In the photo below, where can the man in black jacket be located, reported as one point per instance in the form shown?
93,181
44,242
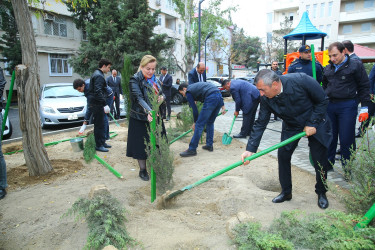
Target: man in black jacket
345,82
114,82
166,80
98,104
3,167
302,104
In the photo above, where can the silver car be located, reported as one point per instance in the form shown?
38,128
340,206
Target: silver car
60,103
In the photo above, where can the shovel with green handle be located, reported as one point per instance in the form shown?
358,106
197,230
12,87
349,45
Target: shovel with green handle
227,139
168,196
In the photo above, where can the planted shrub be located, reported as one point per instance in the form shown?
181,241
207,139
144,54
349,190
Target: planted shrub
160,157
106,221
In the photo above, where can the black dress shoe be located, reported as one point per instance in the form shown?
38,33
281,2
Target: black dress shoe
208,148
107,145
101,149
188,153
144,175
2,193
239,136
322,201
282,197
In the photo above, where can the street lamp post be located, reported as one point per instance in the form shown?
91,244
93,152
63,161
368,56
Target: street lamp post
199,30
205,46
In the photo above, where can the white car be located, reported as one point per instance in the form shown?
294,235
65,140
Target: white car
60,103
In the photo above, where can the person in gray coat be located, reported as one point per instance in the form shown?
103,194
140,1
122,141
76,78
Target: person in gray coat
302,105
246,96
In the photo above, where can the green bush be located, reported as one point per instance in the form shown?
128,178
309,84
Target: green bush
249,236
329,230
360,173
296,230
106,221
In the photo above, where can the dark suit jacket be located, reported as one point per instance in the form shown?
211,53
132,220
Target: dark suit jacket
302,103
193,76
244,95
115,85
167,81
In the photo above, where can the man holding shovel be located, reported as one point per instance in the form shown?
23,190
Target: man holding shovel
246,96
210,96
302,105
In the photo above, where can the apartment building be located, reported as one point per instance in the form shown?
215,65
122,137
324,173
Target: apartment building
57,38
169,22
340,19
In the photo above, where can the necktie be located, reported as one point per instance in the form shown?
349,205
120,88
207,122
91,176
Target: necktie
201,78
114,79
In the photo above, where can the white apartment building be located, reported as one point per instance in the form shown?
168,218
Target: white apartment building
169,22
340,19
57,39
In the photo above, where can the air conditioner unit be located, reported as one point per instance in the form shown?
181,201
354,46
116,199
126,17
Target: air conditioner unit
48,17
158,2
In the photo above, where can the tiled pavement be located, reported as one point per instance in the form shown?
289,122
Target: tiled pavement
271,137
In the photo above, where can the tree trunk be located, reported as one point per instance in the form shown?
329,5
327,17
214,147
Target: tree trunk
28,86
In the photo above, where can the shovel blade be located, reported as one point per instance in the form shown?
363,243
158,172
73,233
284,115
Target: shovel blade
226,139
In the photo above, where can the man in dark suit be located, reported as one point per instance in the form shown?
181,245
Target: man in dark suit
166,84
246,96
302,105
349,50
197,74
114,82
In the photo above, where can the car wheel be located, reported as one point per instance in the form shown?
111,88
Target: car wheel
42,125
177,99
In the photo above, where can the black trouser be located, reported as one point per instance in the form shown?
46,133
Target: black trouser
99,125
248,119
167,106
319,157
117,103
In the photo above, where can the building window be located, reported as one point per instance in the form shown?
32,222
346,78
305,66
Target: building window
330,9
308,8
328,30
84,35
347,29
269,37
170,4
269,18
55,26
58,65
159,20
291,16
315,9
368,4
179,28
322,6
366,27
349,6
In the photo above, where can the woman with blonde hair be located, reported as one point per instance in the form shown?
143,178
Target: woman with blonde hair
142,85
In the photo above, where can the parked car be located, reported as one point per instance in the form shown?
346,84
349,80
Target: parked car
217,78
61,104
249,79
176,97
223,91
8,130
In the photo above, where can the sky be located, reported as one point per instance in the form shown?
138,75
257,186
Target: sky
250,15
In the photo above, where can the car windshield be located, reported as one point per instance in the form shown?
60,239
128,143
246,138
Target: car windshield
60,91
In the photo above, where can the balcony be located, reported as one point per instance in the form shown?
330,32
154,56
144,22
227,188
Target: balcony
359,38
351,17
284,5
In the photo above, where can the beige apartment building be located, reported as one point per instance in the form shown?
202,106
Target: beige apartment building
57,39
340,19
